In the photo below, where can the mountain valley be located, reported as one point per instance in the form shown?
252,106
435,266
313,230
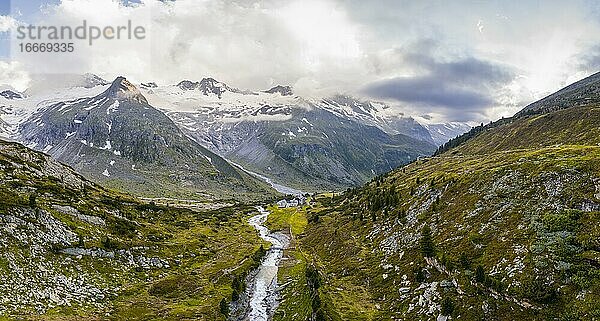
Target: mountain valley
501,223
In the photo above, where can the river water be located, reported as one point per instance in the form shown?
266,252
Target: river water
278,187
263,295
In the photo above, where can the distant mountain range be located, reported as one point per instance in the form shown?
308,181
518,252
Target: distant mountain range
136,137
309,144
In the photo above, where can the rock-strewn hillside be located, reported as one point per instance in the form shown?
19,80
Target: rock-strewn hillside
527,220
503,227
70,249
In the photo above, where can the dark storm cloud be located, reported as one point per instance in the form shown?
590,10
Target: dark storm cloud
428,90
471,71
461,87
466,70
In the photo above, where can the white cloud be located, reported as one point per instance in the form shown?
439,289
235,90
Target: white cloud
312,45
322,47
13,75
257,46
7,23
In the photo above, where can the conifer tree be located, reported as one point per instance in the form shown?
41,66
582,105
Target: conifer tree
426,242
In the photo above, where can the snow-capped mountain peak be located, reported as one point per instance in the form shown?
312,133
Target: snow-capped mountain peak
123,89
188,85
16,112
443,132
9,94
209,86
282,90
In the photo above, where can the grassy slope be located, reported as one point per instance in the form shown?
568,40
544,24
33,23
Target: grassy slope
514,216
204,250
572,126
296,301
287,219
518,214
211,253
300,300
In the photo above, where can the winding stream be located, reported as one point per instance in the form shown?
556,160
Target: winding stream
263,295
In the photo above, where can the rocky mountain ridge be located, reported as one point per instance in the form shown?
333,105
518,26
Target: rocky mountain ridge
118,139
302,143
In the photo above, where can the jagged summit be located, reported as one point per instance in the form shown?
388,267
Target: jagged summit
283,90
188,85
149,85
209,86
206,86
121,88
212,86
9,94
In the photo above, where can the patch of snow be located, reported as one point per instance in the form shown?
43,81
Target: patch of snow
19,111
63,107
113,107
106,173
107,145
306,121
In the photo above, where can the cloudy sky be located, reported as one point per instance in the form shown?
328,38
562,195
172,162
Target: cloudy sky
459,61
